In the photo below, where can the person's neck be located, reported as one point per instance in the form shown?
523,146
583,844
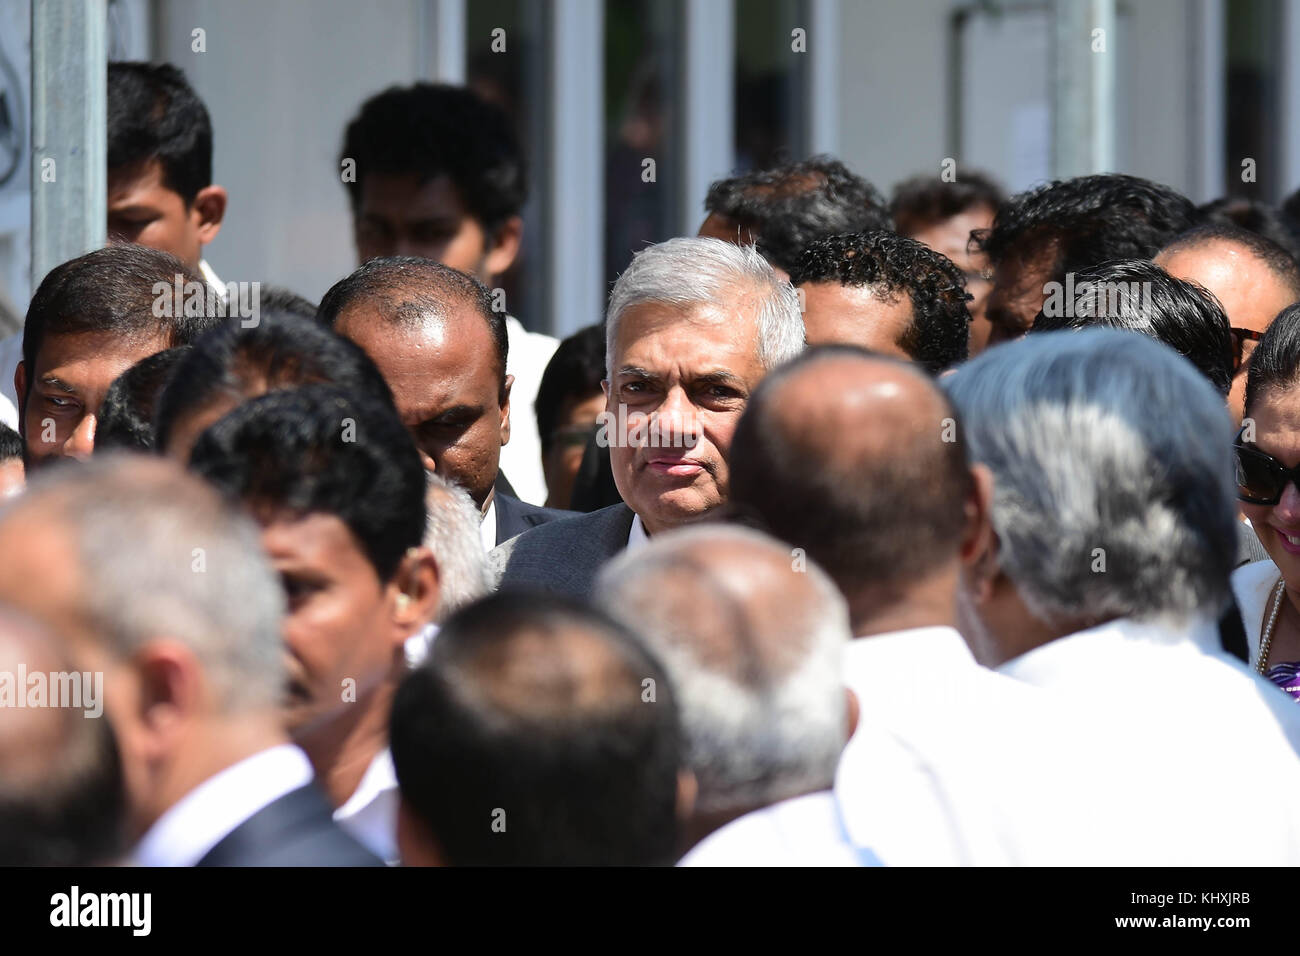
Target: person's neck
1012,630
341,751
928,602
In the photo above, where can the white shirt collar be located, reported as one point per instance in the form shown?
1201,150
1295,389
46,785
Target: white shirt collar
931,645
212,279
370,814
202,818
636,537
487,527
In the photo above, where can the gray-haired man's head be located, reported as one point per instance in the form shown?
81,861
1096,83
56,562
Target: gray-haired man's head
1113,492
752,637
692,327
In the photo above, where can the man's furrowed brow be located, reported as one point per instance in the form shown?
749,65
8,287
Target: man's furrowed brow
638,373
720,376
54,382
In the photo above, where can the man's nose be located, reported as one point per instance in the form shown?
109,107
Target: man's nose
81,443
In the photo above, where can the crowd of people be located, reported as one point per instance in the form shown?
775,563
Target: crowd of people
954,528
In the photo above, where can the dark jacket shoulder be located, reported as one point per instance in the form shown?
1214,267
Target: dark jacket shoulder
563,555
514,517
298,829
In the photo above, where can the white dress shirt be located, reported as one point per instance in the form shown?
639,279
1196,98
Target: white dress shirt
521,457
206,815
802,831
636,536
370,814
1209,748
487,526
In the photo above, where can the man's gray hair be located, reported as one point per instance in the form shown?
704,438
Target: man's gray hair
754,649
685,272
1113,482
161,555
451,532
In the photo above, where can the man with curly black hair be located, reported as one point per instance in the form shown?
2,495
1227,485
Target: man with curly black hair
782,210
892,295
1063,227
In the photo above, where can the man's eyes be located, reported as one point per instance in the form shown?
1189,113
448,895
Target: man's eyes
60,403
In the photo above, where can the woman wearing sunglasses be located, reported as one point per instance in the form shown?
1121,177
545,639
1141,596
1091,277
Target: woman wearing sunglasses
1267,454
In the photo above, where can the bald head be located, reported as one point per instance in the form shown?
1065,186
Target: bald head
858,459
751,635
61,794
562,732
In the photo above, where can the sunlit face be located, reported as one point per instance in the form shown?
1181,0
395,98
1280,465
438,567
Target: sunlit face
1250,293
951,237
446,380
142,210
13,478
340,624
689,372
402,216
69,380
1276,414
855,315
1017,296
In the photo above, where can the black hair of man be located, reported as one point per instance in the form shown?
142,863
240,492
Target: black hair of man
574,373
11,444
1136,295
534,706
1087,220
1253,216
118,289
276,302
891,266
1279,262
409,291
924,201
320,448
234,362
127,413
154,114
429,130
1275,363
875,518
788,207
62,801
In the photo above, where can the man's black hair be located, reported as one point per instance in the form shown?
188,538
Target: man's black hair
938,336
1278,260
154,114
1136,295
126,415
528,738
788,207
431,129
875,520
234,362
116,289
1275,363
1080,222
11,443
320,448
408,291
924,201
574,373
1253,216
275,302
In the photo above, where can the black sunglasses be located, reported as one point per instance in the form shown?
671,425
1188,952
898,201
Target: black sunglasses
1261,478
1239,338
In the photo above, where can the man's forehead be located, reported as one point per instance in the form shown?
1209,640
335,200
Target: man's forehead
134,183
75,358
411,196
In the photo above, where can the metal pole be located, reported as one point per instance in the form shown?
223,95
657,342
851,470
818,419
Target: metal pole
706,132
1083,87
69,164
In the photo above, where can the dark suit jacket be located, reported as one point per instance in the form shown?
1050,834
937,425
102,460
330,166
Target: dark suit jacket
562,556
296,830
515,516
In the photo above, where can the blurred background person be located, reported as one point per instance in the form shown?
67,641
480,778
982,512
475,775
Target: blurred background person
569,401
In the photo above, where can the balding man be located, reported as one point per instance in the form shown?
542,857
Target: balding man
442,348
62,801
1113,510
693,326
538,733
162,588
752,638
1252,277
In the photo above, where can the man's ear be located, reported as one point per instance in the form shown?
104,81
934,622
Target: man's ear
20,389
504,247
979,546
418,591
210,209
505,409
853,711
171,694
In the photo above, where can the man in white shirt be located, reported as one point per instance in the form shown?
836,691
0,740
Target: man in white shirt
752,641
1114,515
342,523
107,554
693,326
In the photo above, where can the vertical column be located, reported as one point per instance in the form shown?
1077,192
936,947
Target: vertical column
1083,87
705,139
